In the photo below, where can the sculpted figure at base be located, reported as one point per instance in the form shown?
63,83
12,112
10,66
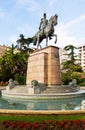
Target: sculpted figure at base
73,83
46,30
13,83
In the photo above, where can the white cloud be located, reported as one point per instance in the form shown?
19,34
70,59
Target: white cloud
29,5
32,5
26,29
75,21
63,37
13,39
51,2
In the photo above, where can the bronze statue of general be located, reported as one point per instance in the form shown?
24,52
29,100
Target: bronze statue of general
46,30
43,23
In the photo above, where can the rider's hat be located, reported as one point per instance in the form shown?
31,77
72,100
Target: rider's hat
44,14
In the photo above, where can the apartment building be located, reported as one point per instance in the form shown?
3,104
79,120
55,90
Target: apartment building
80,59
82,56
3,48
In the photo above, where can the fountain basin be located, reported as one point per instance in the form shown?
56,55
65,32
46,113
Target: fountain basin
18,97
22,100
24,95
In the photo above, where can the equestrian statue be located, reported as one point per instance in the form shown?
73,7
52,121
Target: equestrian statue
46,30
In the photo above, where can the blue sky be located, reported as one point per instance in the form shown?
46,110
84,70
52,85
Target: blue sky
23,17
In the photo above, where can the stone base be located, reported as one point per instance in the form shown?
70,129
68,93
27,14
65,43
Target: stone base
44,66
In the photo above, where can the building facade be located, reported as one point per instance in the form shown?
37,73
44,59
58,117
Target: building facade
82,56
3,48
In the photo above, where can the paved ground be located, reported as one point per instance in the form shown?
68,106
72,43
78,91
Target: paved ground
83,88
2,87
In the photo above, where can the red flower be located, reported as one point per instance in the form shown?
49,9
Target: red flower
12,125
62,123
67,126
83,126
27,126
4,122
35,126
20,125
50,121
43,126
43,122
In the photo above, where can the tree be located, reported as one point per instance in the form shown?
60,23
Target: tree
71,53
70,66
13,66
6,64
23,43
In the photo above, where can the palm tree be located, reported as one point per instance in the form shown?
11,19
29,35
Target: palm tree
23,43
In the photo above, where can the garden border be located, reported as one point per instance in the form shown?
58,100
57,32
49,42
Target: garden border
41,112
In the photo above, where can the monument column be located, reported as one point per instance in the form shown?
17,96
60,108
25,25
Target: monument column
44,66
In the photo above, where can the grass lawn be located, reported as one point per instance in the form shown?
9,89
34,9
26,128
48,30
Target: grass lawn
40,118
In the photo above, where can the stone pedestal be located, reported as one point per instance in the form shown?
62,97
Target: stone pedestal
44,66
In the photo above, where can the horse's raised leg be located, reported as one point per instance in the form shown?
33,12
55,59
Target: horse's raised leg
55,37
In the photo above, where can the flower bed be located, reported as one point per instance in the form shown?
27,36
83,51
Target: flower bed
3,83
43,125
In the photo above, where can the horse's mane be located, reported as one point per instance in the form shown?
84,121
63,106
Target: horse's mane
51,18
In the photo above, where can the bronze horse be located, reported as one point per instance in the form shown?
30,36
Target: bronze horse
48,32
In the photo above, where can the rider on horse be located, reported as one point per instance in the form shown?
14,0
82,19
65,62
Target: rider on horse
43,23
46,30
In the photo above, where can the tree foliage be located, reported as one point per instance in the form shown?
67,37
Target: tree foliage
14,65
71,53
70,68
23,43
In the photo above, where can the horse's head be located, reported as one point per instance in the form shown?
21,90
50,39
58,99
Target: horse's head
53,19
